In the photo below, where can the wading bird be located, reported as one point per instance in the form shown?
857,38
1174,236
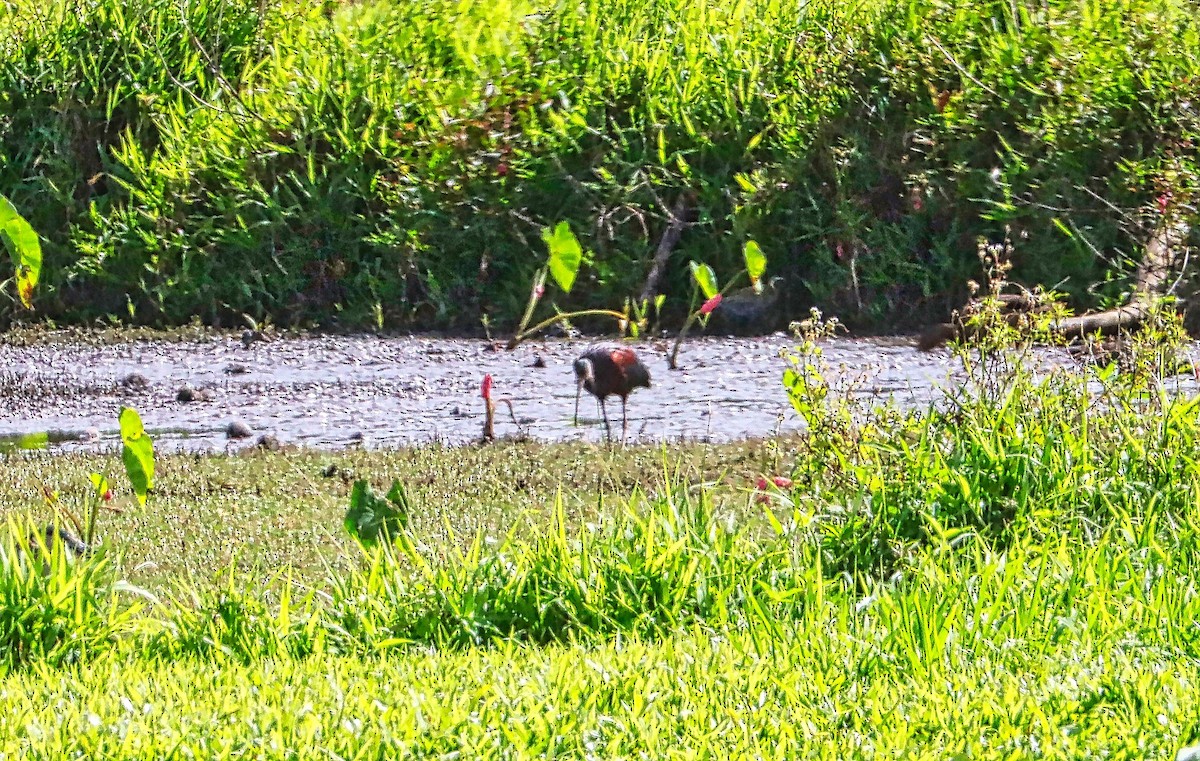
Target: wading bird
605,371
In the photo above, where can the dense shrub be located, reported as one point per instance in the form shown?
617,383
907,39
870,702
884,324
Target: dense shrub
392,163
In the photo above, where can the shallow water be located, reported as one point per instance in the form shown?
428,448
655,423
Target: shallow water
335,391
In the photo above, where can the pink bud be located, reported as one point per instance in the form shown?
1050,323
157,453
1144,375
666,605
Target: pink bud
711,304
1164,201
107,495
782,482
761,485
485,390
839,252
539,291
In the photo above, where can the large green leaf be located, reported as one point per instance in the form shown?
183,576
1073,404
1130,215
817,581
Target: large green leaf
137,453
565,255
705,278
756,263
24,247
372,518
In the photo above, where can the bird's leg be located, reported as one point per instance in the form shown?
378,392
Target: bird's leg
624,419
607,429
578,391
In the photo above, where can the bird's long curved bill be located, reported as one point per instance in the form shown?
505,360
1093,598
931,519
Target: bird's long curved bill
578,391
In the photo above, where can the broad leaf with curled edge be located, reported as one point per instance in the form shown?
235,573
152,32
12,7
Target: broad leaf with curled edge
24,247
705,278
372,518
756,264
565,255
137,453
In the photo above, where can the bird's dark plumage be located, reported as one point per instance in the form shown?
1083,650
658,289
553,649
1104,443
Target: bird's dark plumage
606,371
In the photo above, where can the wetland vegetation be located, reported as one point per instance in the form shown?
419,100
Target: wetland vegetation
1009,573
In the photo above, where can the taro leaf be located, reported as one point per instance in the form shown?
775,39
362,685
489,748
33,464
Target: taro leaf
756,264
137,453
705,278
100,484
25,249
565,255
372,518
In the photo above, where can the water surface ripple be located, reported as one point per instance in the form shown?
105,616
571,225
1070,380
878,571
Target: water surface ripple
335,391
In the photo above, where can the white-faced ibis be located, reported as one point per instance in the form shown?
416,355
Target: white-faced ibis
604,371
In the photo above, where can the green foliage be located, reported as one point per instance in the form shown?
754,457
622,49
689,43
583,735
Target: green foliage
655,566
756,264
371,519
24,248
565,255
392,161
54,609
705,279
137,452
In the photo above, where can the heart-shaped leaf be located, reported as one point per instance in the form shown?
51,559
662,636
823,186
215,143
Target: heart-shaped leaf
372,518
25,249
756,263
137,453
565,255
705,278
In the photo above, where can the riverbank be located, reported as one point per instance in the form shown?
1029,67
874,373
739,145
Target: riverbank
1014,575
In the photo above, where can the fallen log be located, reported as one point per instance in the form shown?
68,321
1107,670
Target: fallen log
1158,265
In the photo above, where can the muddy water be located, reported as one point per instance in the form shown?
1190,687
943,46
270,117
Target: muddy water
332,392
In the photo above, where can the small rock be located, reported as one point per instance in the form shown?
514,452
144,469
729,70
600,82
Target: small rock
268,443
90,435
456,412
238,430
188,394
135,382
329,471
358,437
236,369
538,362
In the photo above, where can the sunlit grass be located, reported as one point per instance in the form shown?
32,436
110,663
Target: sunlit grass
1009,574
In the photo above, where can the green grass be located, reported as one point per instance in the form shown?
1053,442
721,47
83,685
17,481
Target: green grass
394,162
280,509
1008,575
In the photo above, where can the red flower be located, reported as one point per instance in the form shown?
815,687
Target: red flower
763,485
107,495
485,390
711,304
1164,201
502,169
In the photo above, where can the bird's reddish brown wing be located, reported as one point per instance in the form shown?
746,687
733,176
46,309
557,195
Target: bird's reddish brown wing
623,358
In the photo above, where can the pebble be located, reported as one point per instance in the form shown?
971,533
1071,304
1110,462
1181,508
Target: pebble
188,394
135,382
268,443
238,430
90,435
236,369
538,362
